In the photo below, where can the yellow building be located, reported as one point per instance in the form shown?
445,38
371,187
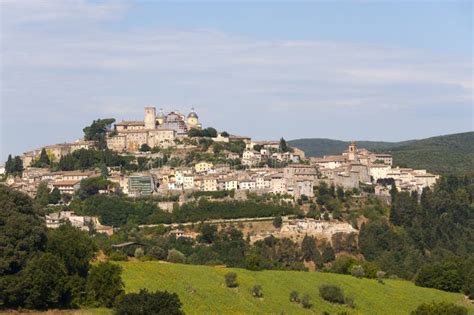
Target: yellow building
202,167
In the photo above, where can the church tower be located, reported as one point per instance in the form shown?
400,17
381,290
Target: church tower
150,117
193,120
352,151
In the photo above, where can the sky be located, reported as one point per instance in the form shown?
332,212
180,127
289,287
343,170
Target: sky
348,70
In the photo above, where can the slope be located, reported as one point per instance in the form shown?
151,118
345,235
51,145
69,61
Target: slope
202,290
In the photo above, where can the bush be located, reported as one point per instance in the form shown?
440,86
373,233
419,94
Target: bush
294,297
144,303
157,252
442,308
343,264
118,256
231,280
277,222
139,253
380,276
332,293
175,256
357,271
104,284
257,291
306,302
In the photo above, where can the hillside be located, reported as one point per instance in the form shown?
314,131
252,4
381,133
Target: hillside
202,290
450,154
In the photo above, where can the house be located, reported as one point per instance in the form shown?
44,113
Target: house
66,186
203,167
210,184
247,184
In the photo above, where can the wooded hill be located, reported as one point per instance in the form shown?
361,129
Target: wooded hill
449,154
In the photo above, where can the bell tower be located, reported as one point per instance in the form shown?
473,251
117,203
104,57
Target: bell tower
352,151
150,117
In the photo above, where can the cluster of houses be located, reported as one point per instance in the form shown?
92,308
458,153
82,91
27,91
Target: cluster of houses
355,166
67,182
297,178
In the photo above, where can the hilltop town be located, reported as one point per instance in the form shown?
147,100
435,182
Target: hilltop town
181,156
170,156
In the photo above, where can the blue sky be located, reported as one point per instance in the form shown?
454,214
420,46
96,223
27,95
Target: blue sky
344,70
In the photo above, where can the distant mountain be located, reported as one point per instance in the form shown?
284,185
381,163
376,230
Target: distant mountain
450,154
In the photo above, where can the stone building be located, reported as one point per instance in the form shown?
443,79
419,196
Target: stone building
154,130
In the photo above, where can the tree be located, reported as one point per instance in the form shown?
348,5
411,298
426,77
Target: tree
97,131
175,256
310,251
208,233
306,302
211,132
277,221
22,232
443,276
104,284
257,291
42,194
332,293
283,146
54,196
224,134
43,283
145,148
147,303
231,280
139,253
294,296
73,247
357,271
441,308
43,160
91,186
328,253
14,166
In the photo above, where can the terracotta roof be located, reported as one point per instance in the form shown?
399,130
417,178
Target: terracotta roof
66,183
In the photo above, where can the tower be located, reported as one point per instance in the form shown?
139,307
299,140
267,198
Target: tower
150,117
160,119
352,156
193,120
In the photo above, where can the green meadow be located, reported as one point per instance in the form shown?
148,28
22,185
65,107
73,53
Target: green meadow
202,290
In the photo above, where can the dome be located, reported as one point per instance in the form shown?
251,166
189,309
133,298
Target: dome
193,114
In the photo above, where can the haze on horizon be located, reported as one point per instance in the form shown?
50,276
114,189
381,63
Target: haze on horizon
347,70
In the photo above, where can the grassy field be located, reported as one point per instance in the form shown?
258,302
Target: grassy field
202,290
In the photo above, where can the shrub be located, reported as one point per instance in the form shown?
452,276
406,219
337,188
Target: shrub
118,256
157,252
104,284
144,303
306,302
277,222
350,302
343,264
139,253
357,271
380,276
257,291
332,293
175,256
442,308
294,297
231,280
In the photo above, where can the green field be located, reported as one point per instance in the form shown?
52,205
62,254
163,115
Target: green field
202,290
